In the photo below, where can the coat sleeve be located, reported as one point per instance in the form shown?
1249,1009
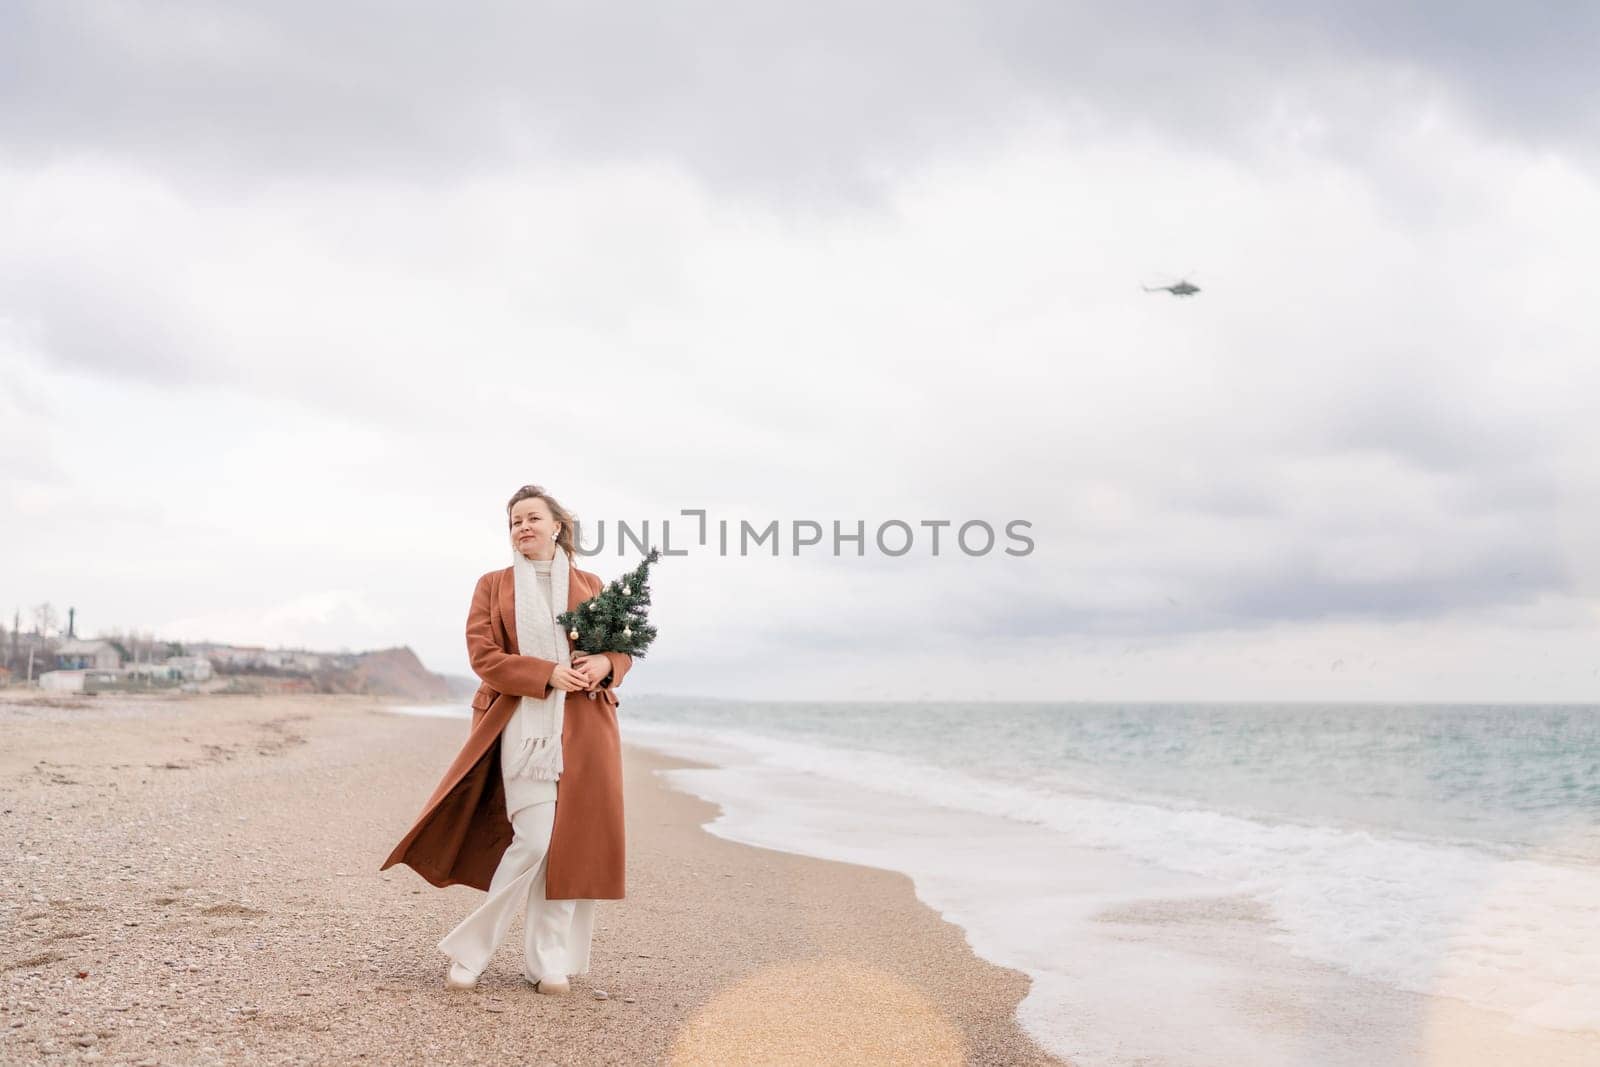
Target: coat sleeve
620,662
523,676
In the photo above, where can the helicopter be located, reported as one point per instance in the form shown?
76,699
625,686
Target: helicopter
1182,287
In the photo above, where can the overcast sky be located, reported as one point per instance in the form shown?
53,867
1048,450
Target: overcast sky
293,296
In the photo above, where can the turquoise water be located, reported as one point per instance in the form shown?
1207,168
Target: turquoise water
1523,778
1445,850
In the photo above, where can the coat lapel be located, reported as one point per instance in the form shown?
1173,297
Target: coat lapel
508,611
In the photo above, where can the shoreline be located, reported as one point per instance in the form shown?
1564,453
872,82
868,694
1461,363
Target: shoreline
1103,932
194,880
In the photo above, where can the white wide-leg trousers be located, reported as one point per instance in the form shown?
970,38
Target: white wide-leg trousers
557,933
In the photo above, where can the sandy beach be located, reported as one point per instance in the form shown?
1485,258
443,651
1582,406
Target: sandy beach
194,880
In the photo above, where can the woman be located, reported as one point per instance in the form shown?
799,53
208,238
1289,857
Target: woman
531,808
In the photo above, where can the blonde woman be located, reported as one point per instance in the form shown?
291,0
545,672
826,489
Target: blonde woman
530,810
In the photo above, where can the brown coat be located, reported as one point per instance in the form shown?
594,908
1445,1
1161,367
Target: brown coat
463,829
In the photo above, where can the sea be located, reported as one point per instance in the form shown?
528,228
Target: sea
1200,883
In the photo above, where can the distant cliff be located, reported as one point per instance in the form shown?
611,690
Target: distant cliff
391,672
388,672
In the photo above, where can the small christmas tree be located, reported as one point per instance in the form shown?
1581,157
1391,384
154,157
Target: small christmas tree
614,620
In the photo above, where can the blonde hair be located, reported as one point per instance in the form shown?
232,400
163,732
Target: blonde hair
568,537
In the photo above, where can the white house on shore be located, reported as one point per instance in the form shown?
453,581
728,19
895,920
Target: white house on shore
191,668
75,654
79,681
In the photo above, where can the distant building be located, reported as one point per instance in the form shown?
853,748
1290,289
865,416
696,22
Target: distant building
138,677
74,654
191,668
233,658
72,680
292,660
153,673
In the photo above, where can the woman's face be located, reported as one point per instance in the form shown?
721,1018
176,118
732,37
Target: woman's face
533,529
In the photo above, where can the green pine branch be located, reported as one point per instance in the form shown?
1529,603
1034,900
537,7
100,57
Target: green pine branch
616,618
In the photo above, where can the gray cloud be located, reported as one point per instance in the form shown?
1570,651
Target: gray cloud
802,104
117,326
1299,591
1435,427
1285,586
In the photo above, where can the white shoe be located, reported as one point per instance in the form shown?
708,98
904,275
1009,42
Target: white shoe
553,985
460,978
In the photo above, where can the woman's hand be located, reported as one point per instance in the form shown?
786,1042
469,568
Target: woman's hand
564,677
594,667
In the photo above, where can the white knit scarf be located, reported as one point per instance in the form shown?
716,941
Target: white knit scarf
537,739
